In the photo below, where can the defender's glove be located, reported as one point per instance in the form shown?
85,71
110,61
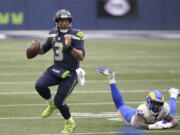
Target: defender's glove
157,125
160,125
168,125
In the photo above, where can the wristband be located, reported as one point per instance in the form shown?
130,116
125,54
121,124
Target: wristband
70,48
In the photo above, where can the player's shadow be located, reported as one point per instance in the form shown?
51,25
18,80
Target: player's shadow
129,130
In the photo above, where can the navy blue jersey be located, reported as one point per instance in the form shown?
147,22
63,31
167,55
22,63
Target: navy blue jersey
62,56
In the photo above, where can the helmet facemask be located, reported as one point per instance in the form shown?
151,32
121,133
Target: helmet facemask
63,25
155,102
155,107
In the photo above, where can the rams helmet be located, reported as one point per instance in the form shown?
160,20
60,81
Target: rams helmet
155,101
60,15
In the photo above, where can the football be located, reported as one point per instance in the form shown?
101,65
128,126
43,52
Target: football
33,49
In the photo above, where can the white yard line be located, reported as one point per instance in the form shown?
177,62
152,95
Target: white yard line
73,104
75,115
19,73
26,92
32,93
90,81
109,58
36,65
96,58
17,83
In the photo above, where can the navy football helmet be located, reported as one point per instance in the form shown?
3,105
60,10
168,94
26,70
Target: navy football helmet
155,101
63,15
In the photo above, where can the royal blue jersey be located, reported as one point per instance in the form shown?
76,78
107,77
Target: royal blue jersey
62,56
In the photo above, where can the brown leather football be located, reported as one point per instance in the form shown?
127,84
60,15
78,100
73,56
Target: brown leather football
33,49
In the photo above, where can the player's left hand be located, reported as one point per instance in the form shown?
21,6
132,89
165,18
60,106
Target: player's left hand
67,40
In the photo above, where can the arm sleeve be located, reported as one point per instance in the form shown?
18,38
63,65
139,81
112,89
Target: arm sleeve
47,45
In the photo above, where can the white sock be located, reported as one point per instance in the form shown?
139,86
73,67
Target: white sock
51,99
70,119
112,80
173,95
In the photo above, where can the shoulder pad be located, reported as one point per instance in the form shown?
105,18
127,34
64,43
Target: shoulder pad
77,34
142,108
166,108
52,33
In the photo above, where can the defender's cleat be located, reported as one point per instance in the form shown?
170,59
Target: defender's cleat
105,71
47,112
173,91
68,127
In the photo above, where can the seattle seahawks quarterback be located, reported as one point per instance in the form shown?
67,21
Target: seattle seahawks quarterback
153,114
67,44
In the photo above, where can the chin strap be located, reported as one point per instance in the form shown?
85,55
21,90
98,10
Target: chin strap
64,31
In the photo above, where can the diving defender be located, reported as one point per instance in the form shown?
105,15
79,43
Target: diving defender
155,113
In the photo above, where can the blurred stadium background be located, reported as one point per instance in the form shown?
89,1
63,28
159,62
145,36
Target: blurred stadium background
139,39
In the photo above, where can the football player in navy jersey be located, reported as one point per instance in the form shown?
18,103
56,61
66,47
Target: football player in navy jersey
68,47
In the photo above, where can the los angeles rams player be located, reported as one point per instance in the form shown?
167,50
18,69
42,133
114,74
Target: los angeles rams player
68,47
154,114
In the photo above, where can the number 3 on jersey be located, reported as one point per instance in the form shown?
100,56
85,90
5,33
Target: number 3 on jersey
58,51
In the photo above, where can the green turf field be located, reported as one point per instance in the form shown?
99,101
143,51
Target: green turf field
140,67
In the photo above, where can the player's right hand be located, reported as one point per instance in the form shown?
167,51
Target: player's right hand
33,49
67,40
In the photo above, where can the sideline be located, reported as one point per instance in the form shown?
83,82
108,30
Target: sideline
97,34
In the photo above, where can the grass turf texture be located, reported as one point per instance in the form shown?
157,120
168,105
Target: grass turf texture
139,64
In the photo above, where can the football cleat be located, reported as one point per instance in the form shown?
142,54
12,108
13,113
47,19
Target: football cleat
174,91
109,73
47,112
68,127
